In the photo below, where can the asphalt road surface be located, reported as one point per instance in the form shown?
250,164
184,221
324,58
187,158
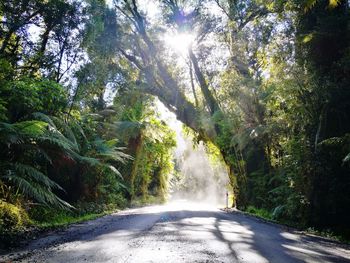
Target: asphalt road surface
179,232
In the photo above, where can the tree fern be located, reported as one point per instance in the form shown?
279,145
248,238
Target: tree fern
33,137
29,145
32,183
107,150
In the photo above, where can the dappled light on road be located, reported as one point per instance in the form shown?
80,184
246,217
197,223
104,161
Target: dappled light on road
182,231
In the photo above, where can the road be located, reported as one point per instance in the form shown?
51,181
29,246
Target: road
179,232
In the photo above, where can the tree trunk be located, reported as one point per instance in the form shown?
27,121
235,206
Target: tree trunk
138,143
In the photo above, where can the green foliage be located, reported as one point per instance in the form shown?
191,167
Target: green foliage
13,219
275,103
48,218
43,55
150,141
330,184
259,212
23,138
25,97
31,147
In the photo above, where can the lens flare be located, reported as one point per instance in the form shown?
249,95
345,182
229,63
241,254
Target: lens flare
180,42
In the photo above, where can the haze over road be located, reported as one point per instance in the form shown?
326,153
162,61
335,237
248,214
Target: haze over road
180,232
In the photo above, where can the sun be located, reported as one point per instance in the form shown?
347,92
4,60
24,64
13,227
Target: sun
179,42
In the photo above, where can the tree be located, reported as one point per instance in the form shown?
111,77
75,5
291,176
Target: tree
56,48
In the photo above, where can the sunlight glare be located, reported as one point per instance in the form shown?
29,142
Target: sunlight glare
180,42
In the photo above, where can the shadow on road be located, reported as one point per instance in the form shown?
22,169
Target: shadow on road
214,234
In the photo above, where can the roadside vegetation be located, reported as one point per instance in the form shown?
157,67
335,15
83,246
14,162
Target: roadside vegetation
265,82
268,216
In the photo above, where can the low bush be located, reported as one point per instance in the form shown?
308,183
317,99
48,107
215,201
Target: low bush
12,217
44,216
259,212
12,220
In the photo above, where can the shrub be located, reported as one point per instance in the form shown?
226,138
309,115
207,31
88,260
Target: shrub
12,218
259,212
42,213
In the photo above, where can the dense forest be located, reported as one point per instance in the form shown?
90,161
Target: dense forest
267,82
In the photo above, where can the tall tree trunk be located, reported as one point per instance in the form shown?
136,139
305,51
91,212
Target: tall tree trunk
138,144
209,98
192,85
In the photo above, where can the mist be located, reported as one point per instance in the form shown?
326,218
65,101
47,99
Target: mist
198,178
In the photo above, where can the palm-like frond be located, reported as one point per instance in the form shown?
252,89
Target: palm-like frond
9,134
125,129
84,159
43,117
33,138
21,131
33,183
59,128
107,151
32,128
115,155
41,138
67,131
34,175
113,169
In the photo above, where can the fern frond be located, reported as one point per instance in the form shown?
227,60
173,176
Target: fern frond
59,128
113,169
57,141
36,175
78,130
43,117
84,159
116,156
108,152
9,134
31,128
34,184
66,131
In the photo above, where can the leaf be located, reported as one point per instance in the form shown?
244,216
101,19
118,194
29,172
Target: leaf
44,117
114,170
334,3
9,134
31,128
34,184
84,159
307,38
309,4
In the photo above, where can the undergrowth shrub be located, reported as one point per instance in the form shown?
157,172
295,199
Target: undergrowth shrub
12,220
259,212
46,214
12,217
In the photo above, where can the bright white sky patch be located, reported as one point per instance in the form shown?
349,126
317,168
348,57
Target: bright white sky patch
179,42
109,3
